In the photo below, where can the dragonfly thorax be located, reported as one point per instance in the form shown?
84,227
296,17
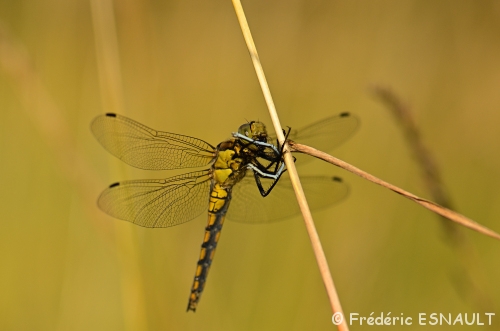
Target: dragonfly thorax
228,168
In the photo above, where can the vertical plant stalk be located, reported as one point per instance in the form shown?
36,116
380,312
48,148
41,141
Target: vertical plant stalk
466,254
110,80
107,54
304,208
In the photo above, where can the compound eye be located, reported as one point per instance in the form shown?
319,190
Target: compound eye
244,130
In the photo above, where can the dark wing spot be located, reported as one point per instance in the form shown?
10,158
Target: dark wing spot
111,114
344,114
114,185
337,179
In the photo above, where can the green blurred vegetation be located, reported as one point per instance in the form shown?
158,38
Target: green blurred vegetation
183,67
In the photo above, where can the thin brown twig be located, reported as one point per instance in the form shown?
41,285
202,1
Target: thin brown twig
306,213
445,212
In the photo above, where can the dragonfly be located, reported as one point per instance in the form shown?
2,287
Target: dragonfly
246,171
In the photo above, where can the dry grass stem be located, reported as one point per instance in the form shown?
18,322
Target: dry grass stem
107,54
445,212
110,81
306,213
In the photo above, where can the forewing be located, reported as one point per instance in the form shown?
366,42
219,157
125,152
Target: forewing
145,148
325,134
158,203
248,206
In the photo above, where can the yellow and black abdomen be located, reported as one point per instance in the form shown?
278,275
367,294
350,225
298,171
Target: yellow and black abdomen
218,205
224,175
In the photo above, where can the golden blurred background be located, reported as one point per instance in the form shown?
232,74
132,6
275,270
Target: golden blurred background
182,66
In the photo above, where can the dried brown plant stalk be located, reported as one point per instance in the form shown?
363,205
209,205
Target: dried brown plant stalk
438,209
294,178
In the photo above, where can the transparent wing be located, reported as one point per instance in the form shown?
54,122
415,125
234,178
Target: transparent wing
158,203
145,148
248,206
325,134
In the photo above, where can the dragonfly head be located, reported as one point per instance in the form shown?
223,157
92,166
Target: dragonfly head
254,130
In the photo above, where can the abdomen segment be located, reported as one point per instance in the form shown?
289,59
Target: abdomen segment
219,202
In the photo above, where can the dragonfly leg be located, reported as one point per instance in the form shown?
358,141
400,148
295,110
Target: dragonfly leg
275,161
286,138
261,171
279,157
256,142
264,192
265,174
